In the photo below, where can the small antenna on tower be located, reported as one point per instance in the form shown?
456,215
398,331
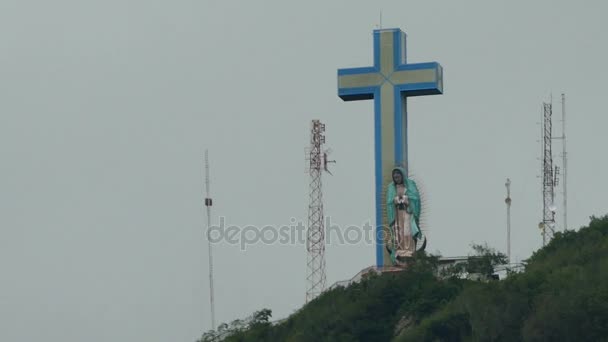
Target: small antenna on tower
326,161
208,204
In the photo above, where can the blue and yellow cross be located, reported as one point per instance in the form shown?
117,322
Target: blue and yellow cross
389,82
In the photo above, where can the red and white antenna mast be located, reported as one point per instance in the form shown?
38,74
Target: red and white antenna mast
315,238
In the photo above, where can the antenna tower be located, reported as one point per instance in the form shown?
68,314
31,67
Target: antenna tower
547,225
208,204
508,202
315,239
564,163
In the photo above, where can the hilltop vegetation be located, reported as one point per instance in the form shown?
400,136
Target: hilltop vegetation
561,296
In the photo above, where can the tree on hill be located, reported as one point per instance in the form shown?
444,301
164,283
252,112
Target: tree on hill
481,262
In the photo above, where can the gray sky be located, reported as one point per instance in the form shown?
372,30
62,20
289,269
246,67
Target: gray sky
106,108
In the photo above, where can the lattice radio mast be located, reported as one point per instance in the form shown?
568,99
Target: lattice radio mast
549,176
208,204
315,239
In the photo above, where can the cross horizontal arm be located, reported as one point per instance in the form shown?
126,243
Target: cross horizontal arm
358,83
418,79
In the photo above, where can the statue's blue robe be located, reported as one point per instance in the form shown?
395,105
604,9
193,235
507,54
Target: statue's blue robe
413,208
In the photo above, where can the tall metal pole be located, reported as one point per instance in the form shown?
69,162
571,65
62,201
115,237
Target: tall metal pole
508,202
208,204
564,162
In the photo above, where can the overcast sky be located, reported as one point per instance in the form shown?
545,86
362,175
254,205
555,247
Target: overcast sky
107,106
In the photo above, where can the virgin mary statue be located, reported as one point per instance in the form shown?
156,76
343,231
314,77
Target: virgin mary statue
403,212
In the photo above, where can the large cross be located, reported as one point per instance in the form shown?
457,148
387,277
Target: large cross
389,82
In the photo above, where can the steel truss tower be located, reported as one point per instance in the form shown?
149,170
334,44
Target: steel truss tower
315,239
550,177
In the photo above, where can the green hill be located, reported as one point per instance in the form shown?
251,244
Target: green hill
562,295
